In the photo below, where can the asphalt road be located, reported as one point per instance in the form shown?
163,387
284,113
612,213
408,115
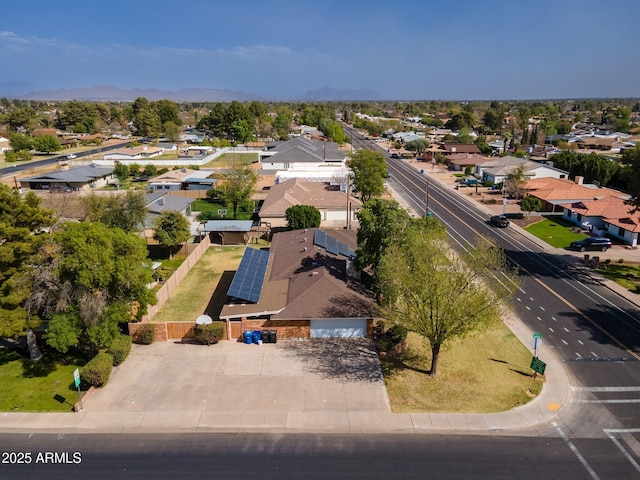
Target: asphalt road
16,168
594,331
308,456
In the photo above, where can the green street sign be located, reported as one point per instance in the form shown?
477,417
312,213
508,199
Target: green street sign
76,377
538,365
537,335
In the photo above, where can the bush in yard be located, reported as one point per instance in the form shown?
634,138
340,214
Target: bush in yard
96,372
210,334
397,339
146,334
120,349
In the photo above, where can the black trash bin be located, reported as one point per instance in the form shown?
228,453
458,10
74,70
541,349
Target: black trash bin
273,336
266,337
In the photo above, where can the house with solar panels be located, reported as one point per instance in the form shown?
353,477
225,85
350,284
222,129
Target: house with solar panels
304,286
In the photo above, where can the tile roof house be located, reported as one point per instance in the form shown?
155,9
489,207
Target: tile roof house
303,289
611,216
76,178
459,161
301,152
554,192
328,199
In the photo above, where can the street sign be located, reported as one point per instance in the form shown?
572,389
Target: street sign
76,377
537,335
538,365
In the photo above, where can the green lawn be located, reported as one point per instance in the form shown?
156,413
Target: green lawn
210,210
555,232
481,374
43,386
624,274
228,159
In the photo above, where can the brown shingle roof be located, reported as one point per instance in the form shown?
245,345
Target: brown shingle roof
304,281
460,148
299,192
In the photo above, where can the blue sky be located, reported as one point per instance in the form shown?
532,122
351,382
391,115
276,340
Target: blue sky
407,49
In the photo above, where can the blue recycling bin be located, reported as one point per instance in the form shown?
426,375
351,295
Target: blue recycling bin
248,335
257,336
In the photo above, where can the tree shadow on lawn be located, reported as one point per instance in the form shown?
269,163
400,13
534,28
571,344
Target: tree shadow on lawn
514,368
50,362
395,364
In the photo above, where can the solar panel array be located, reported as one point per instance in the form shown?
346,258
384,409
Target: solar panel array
249,278
331,245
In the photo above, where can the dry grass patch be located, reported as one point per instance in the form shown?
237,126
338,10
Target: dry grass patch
228,159
194,293
481,374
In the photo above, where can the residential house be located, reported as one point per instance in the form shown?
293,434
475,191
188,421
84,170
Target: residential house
337,209
76,178
611,216
611,144
183,179
159,202
497,169
460,161
450,148
301,153
555,192
302,287
136,154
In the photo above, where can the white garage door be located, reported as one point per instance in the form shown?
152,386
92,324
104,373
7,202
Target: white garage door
352,328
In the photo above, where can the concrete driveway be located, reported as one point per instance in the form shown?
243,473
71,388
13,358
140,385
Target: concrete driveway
232,380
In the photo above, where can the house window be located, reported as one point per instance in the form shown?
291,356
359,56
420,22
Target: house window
579,217
621,232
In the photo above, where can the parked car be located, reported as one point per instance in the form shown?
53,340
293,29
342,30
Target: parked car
591,243
499,221
71,156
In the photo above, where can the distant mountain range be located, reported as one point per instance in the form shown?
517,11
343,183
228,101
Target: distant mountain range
116,94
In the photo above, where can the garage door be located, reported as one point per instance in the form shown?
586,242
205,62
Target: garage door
352,328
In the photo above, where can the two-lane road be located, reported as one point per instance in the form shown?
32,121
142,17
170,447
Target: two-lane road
595,331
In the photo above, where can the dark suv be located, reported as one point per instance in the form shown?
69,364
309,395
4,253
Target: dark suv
499,221
592,243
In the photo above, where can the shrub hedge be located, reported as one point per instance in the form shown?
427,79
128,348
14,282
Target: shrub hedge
120,349
146,334
97,370
210,334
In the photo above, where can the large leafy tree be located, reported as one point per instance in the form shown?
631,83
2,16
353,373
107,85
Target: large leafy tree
302,216
89,279
126,212
631,161
440,295
171,229
22,220
419,146
235,185
47,143
382,223
369,171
